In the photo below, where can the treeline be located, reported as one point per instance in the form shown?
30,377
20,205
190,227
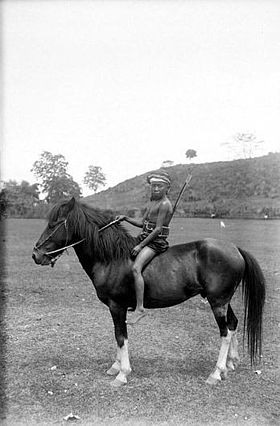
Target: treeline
21,200
239,188
54,184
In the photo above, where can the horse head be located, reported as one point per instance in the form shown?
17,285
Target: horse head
71,222
57,235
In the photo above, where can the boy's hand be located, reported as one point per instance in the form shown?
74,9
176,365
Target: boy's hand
136,250
120,218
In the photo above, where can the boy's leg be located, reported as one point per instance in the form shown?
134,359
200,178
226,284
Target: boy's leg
145,255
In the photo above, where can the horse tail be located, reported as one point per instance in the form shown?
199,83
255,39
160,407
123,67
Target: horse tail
253,291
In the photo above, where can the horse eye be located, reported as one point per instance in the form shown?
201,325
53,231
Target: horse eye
54,224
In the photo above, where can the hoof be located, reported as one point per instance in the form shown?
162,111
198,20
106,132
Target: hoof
112,371
117,383
224,375
236,360
212,381
230,365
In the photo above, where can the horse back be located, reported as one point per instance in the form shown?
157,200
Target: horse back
212,268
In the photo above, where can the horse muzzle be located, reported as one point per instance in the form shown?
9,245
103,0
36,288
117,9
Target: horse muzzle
40,258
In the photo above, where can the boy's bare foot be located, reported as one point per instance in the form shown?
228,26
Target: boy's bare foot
135,317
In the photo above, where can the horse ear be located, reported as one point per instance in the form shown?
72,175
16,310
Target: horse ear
71,204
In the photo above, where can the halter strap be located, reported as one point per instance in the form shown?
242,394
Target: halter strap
51,234
37,247
65,248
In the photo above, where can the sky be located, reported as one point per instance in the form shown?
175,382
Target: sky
126,85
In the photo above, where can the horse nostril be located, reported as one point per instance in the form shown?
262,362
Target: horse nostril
34,256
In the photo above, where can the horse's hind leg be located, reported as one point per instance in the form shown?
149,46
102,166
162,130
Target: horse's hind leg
233,356
121,367
220,371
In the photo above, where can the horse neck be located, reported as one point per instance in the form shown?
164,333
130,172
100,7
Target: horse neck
116,244
112,244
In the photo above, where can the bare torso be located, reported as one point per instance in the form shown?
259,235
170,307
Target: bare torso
159,209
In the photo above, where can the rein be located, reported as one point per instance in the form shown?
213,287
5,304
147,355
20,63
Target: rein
71,245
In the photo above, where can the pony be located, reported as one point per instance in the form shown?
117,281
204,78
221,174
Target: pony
209,267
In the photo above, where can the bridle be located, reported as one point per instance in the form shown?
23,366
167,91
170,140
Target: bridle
60,250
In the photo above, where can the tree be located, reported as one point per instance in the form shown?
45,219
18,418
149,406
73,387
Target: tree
244,145
248,143
190,153
48,166
94,178
55,181
3,204
62,187
167,163
21,198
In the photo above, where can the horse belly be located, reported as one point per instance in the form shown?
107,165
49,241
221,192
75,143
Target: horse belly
170,281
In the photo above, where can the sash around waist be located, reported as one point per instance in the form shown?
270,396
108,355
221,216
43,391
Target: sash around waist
148,227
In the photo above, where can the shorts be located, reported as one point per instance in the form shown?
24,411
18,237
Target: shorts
159,244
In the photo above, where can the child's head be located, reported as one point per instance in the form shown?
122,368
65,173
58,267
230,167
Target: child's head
160,184
159,177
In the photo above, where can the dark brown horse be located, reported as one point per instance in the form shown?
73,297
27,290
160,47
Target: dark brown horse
209,267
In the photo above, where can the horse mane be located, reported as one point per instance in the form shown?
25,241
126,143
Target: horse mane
114,243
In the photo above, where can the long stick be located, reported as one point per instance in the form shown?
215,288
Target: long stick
107,226
187,181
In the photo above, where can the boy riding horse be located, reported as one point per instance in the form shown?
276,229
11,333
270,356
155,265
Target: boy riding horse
153,238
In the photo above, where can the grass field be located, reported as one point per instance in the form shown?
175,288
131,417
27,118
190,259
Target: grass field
60,343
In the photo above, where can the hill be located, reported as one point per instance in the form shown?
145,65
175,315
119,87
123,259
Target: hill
239,188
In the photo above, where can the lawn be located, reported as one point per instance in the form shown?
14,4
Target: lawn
60,342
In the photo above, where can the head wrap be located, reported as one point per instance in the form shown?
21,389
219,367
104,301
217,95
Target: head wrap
159,177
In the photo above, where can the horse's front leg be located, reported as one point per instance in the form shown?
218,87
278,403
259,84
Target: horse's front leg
121,367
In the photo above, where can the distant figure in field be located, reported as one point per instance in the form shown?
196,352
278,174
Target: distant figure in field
153,238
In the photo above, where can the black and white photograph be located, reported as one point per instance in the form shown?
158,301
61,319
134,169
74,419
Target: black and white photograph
140,212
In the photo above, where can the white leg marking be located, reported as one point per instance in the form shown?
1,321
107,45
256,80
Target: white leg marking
114,369
116,366
125,368
221,369
233,356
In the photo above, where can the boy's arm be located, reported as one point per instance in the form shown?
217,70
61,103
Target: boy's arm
135,222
